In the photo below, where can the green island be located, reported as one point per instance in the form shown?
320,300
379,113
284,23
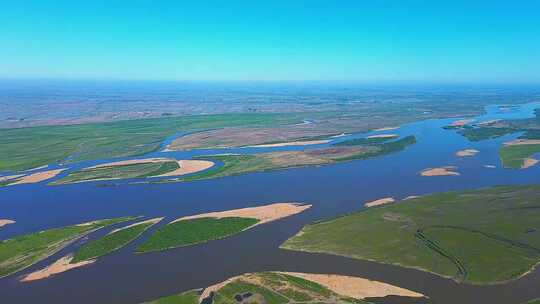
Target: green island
194,231
517,156
239,164
112,241
269,288
484,236
137,170
365,141
23,251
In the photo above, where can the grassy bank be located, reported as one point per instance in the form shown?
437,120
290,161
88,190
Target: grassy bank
22,251
514,156
483,236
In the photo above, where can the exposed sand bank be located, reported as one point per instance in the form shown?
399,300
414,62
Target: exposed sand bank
355,287
132,162
152,221
411,197
382,201
462,122
264,214
4,222
488,122
383,136
62,265
386,129
292,143
10,177
529,162
439,171
490,166
188,167
467,152
519,142
38,177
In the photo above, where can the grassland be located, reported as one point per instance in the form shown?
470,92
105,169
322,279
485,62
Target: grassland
188,297
514,156
194,231
23,251
363,141
110,243
482,237
239,164
140,170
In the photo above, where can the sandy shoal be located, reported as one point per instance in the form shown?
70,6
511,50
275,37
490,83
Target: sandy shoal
488,122
292,143
9,177
61,265
264,214
411,197
152,221
383,136
467,152
439,171
382,201
490,166
462,122
132,162
4,222
188,167
38,177
355,287
519,142
386,129
529,162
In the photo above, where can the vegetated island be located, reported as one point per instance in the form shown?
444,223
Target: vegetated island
484,236
519,154
234,164
286,287
200,228
23,251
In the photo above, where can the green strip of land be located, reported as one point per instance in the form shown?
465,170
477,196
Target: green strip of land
23,251
482,237
514,156
364,141
188,297
110,243
195,231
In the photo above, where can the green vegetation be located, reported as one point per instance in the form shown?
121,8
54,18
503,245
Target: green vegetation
109,243
140,170
513,156
483,133
484,236
364,141
195,231
188,297
26,148
23,251
534,301
239,287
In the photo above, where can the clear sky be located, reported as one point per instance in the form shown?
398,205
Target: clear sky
360,40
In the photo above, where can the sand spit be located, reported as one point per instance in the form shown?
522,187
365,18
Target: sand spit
382,201
519,142
411,197
292,143
467,152
462,122
386,129
131,162
38,177
264,214
382,136
439,171
4,222
355,287
529,162
188,167
208,290
152,221
62,265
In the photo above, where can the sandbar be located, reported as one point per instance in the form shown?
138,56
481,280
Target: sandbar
519,142
490,166
411,197
462,122
383,136
264,214
131,162
61,265
292,143
355,287
386,129
38,177
4,222
188,167
467,152
152,221
529,162
9,177
439,171
382,201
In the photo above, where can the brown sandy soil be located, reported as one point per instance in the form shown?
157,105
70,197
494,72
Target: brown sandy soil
462,122
188,167
153,221
519,142
4,222
386,129
355,287
529,162
9,177
292,143
383,136
439,171
62,265
38,177
467,152
264,214
382,201
131,162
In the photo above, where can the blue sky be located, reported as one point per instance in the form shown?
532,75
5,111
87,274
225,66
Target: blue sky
365,41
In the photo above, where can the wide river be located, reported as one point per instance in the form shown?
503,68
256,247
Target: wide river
125,277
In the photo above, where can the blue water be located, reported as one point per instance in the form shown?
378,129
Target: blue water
124,277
